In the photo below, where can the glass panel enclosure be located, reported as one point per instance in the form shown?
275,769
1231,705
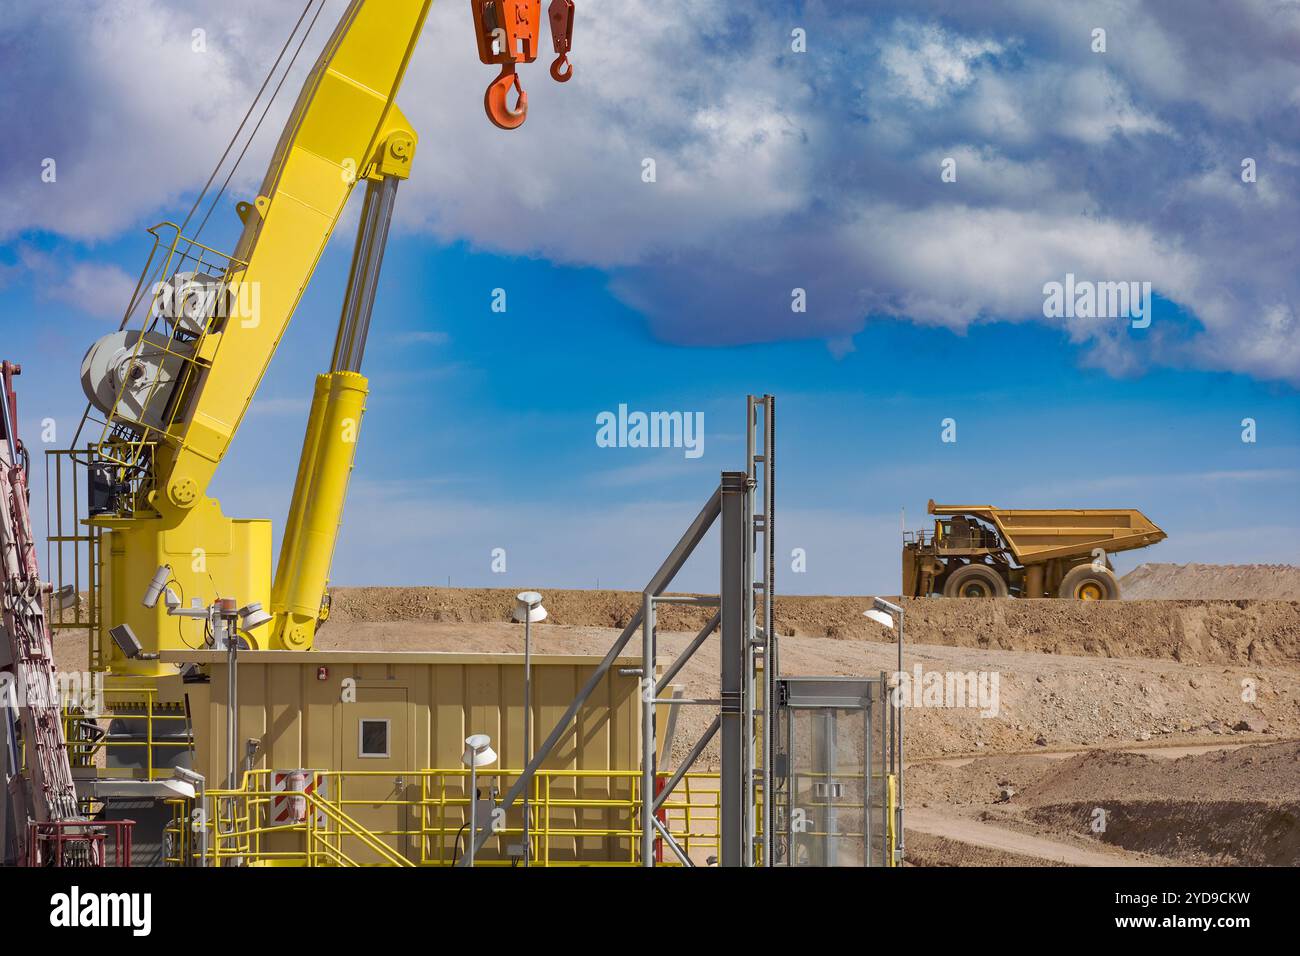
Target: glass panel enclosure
833,772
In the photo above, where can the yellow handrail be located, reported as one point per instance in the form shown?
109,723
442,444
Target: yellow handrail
577,818
347,827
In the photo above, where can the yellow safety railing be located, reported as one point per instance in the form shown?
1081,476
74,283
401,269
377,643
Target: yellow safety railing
327,824
90,743
129,447
891,815
577,818
177,834
562,804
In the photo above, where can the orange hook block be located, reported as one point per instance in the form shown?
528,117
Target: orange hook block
508,32
497,100
561,17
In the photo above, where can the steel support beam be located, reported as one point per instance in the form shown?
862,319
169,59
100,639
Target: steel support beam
691,757
672,843
363,278
647,728
771,655
658,583
732,677
690,650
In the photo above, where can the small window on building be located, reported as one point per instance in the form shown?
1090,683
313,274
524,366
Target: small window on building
374,739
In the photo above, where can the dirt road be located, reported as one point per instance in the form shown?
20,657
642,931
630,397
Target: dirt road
992,837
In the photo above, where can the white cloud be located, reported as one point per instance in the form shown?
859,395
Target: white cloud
774,169
100,291
116,96
926,64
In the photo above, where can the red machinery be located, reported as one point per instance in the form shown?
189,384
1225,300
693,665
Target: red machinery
56,833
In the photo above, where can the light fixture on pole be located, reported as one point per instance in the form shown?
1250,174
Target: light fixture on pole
528,608
199,816
891,615
478,753
225,620
880,617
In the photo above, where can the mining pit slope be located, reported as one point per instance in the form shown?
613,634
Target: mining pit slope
1231,582
1207,632
1231,806
1081,685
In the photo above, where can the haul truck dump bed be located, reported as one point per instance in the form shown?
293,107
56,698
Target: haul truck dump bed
983,551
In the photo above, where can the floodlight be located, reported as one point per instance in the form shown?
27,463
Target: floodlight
185,775
891,615
253,616
181,788
882,605
65,597
156,585
528,607
528,610
478,751
128,643
880,617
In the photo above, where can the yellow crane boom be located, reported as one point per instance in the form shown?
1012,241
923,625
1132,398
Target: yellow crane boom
344,128
176,391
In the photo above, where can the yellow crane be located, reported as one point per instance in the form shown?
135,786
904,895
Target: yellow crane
174,391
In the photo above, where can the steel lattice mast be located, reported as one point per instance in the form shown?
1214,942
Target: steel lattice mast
50,792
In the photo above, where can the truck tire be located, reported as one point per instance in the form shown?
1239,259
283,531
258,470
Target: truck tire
1089,583
975,581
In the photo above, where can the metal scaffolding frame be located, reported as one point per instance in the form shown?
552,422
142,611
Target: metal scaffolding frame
748,667
761,642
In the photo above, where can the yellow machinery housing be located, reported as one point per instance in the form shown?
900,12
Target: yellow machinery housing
178,388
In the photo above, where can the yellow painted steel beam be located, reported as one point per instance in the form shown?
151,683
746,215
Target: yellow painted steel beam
345,126
302,482
303,571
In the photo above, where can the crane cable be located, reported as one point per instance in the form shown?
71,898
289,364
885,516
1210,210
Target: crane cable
269,103
251,106
144,286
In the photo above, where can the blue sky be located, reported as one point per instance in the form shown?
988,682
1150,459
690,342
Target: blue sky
775,170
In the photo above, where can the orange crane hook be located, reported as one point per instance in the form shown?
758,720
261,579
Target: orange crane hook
561,16
508,34
496,100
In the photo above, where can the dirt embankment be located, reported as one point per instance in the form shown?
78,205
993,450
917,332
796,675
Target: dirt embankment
1209,632
1235,807
1042,701
927,849
1231,582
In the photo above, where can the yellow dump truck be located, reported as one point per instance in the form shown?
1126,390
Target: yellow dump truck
978,551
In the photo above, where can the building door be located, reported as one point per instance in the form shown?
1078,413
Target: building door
375,744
